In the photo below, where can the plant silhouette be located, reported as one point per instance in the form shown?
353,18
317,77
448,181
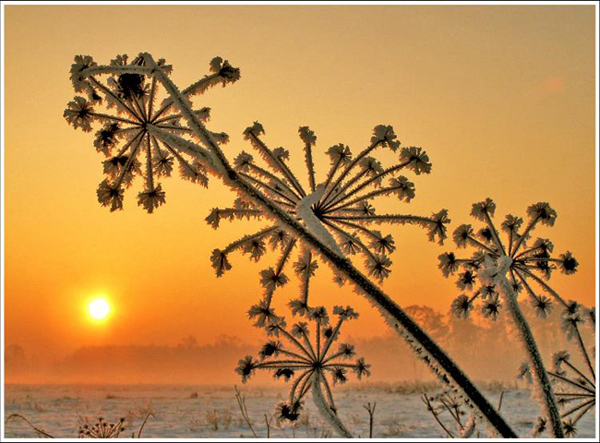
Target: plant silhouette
311,362
505,269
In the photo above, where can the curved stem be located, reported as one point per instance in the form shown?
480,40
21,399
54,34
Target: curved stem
539,370
332,418
443,365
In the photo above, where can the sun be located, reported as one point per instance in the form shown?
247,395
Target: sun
99,308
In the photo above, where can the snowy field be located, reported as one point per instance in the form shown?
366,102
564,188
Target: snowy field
192,412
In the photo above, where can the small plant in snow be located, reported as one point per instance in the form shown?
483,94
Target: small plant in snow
102,429
447,402
498,270
311,363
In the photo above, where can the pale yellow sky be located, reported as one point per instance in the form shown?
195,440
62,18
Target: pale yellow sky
501,98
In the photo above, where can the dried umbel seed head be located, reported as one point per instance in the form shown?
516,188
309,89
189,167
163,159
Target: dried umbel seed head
531,263
306,358
149,138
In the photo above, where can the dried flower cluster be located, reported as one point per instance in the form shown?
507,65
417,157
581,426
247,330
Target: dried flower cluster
102,429
310,361
124,136
339,210
531,262
498,271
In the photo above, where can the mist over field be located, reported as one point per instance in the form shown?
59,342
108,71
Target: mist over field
487,350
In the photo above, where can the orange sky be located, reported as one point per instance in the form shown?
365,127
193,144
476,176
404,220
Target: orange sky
501,98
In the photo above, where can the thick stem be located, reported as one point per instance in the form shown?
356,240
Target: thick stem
539,370
332,418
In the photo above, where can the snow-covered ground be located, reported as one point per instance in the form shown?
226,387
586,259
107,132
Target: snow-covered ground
192,411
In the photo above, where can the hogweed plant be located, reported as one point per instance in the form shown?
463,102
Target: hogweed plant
339,210
312,216
311,363
499,270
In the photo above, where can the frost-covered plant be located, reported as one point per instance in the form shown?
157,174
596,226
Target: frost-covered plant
575,386
447,402
102,429
310,362
339,209
125,138
204,147
506,268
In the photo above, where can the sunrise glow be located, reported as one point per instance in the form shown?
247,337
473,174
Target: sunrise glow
333,206
99,308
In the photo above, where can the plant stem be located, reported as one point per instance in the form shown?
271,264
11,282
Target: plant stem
332,418
539,370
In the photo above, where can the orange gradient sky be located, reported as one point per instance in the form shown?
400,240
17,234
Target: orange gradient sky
501,98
